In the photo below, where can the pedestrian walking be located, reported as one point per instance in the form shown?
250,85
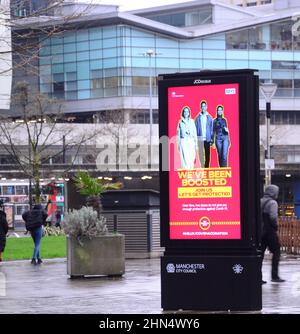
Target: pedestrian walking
57,219
3,230
270,239
34,221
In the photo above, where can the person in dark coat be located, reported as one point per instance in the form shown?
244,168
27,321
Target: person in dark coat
270,239
35,219
58,219
3,230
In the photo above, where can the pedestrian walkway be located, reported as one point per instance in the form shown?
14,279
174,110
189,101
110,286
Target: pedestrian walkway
48,289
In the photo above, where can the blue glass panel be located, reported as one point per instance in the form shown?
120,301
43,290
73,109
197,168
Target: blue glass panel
236,64
70,67
45,41
108,53
96,54
57,59
82,46
283,55
82,35
110,62
214,44
140,62
57,40
163,52
58,68
83,55
109,32
83,84
45,60
193,44
69,57
260,55
260,64
55,49
214,64
69,37
45,51
109,43
69,47
164,42
83,94
297,56
83,70
236,54
96,44
191,53
220,54
95,64
45,69
167,62
282,74
144,42
141,33
95,33
190,63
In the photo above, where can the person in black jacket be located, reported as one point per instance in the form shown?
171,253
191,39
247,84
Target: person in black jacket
3,230
34,221
221,136
270,239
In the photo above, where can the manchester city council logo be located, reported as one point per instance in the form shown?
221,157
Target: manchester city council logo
170,268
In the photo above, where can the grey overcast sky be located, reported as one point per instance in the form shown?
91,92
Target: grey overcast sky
137,4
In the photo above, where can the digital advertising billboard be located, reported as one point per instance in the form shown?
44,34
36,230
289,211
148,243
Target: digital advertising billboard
204,181
211,126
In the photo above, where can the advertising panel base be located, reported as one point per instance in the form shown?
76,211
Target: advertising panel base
211,283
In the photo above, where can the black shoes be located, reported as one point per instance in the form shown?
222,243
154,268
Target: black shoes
278,280
35,262
39,261
263,282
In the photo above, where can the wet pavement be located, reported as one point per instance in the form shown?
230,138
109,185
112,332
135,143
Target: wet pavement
47,289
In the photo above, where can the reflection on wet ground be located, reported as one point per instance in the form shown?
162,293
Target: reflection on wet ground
47,289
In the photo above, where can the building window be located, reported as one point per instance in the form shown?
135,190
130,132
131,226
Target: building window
281,35
237,40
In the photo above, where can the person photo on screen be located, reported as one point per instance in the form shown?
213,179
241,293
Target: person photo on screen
221,136
187,139
204,126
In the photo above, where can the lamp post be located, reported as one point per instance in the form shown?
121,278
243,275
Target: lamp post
268,89
150,53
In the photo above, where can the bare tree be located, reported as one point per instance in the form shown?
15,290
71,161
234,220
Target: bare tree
29,137
115,125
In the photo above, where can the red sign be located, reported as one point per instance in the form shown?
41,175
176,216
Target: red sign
204,176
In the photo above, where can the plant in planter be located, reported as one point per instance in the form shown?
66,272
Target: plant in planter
91,249
93,188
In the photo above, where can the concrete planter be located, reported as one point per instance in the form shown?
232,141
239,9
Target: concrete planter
103,255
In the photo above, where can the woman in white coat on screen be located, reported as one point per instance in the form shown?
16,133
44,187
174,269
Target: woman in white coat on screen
187,139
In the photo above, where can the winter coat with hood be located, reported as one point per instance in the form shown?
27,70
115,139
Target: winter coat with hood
270,209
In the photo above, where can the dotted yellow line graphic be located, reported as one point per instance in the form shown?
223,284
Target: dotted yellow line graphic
197,223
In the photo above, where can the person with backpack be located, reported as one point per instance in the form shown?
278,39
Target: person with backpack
34,221
270,239
3,230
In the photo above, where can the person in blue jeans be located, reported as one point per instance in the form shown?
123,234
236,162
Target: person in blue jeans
221,136
37,235
35,219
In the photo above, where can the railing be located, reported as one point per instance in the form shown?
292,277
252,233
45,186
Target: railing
289,234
